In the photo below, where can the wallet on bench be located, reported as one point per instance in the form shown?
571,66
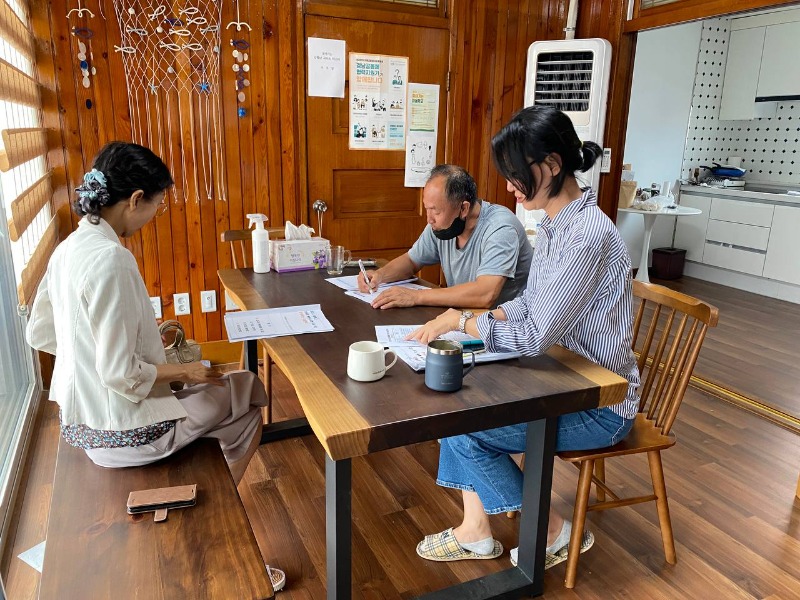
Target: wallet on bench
161,500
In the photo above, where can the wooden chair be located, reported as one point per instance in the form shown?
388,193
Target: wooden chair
676,326
239,240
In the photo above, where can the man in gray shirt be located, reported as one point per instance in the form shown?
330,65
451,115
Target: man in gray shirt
482,248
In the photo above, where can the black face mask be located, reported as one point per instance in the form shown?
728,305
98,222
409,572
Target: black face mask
456,229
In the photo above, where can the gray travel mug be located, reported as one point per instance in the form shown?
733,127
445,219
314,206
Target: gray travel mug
444,366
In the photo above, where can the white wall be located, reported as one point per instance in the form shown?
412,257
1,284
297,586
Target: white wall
661,100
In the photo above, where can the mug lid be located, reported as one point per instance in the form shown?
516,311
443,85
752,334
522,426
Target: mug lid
445,347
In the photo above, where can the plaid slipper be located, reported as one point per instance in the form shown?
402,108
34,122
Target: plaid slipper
551,560
444,547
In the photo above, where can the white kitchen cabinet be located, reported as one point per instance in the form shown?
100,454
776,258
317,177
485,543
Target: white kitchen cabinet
780,68
741,82
738,211
783,253
690,234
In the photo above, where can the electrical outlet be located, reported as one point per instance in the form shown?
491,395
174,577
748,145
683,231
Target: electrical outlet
208,301
229,303
156,302
181,304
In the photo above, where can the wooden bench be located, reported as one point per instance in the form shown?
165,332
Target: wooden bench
96,550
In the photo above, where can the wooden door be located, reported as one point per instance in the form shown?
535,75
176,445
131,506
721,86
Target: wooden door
369,209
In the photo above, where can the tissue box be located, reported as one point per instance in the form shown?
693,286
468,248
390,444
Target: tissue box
298,255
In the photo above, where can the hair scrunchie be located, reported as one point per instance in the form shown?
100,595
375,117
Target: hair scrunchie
93,192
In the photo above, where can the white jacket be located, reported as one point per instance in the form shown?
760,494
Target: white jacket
93,312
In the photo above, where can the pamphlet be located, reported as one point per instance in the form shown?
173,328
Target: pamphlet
276,322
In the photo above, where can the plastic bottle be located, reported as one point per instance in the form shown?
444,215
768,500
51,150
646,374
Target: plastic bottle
260,243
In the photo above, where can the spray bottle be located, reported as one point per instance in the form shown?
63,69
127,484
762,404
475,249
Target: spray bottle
260,243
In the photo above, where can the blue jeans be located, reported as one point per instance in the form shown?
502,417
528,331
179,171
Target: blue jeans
480,462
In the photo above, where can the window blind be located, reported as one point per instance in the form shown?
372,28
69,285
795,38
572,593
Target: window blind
654,3
25,185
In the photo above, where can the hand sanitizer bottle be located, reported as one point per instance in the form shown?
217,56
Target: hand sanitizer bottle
260,243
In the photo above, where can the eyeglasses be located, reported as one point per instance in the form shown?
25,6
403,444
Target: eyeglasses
162,208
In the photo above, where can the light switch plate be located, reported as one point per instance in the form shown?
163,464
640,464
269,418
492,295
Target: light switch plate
208,301
182,306
605,162
156,302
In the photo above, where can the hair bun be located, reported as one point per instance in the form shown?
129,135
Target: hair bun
590,152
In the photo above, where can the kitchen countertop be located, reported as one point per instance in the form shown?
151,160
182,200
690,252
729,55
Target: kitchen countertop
753,192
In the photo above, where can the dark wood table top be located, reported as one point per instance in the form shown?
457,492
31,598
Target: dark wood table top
96,550
351,418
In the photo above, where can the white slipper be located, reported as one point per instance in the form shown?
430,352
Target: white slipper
277,577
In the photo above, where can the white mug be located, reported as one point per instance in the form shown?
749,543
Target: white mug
367,361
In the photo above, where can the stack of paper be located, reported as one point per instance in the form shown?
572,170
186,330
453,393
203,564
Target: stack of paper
275,322
413,353
350,282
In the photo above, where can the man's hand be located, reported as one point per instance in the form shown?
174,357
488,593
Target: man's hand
396,297
447,321
375,279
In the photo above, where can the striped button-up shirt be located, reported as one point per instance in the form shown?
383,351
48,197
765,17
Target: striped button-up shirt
578,296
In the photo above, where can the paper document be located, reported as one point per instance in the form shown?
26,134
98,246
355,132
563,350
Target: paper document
275,322
350,282
369,297
394,335
414,356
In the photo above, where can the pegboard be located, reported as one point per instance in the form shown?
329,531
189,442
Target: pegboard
769,147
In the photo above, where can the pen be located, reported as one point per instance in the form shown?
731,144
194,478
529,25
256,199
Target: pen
364,273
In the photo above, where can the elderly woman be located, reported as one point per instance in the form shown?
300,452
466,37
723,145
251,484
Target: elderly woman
111,379
578,296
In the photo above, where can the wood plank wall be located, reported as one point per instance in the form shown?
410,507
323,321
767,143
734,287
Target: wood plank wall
265,150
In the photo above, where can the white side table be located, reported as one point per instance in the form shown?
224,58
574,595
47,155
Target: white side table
649,221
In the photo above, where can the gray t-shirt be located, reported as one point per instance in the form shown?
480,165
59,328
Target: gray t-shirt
498,246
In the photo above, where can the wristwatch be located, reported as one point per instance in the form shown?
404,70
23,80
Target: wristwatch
462,320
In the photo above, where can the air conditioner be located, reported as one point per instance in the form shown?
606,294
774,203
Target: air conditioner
571,75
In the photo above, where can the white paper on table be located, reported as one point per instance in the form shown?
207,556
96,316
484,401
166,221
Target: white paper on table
276,322
350,282
326,67
368,297
414,356
394,335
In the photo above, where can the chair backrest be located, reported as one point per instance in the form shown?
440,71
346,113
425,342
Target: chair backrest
239,240
673,327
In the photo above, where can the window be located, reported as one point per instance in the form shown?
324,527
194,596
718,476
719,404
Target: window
25,223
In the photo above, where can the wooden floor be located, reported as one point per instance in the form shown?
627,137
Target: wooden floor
755,349
731,481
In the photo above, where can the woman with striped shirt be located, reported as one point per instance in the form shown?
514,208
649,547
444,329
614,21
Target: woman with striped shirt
578,296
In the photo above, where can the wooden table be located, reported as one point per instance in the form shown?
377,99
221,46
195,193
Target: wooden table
352,419
96,550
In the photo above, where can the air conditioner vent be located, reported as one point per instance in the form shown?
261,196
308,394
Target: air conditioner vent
564,80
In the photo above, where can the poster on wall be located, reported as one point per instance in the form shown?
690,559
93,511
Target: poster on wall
326,68
378,101
423,126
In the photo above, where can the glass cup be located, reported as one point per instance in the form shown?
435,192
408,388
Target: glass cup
338,257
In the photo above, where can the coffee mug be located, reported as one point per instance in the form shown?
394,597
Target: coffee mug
444,366
338,257
367,361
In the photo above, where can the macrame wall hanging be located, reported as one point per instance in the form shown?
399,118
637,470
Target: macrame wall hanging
171,55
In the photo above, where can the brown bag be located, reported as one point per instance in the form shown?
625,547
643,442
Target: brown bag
181,350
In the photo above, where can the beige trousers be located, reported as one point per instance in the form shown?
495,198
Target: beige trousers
230,413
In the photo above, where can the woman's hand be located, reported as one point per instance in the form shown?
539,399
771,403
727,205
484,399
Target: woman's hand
194,372
197,372
447,321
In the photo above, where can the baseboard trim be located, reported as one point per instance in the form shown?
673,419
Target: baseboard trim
756,407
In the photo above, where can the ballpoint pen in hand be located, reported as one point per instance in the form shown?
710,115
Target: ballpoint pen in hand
364,273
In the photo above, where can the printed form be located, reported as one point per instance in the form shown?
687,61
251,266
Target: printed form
275,322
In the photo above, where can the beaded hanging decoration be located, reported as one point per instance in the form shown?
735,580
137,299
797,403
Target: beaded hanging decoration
83,35
171,55
241,66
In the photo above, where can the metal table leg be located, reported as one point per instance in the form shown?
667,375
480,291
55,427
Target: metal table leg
338,527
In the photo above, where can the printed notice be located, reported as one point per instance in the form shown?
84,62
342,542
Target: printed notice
326,68
423,125
378,102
